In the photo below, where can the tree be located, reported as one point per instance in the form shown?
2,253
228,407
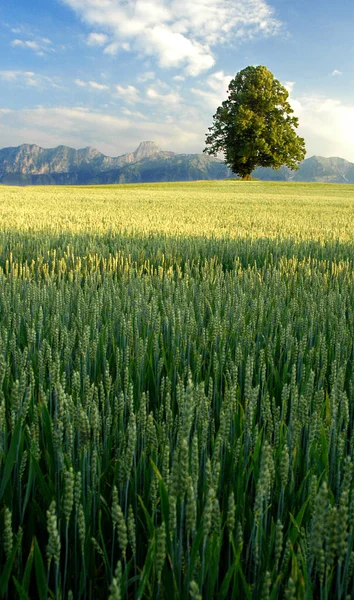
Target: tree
254,126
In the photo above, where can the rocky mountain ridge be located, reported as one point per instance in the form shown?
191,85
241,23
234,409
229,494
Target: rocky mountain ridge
32,159
30,164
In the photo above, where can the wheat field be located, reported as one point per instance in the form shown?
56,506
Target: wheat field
177,391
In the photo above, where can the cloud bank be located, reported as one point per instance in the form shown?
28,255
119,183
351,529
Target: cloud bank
327,126
80,126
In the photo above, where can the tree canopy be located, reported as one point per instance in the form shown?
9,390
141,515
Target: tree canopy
255,126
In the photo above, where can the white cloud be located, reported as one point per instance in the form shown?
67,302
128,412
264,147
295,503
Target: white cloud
326,124
146,76
40,45
177,33
29,78
335,73
98,86
133,113
114,47
26,44
97,39
219,82
175,49
289,86
91,84
166,100
129,93
21,29
15,75
214,90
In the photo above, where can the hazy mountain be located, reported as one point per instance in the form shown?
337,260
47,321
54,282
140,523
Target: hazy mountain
316,168
31,165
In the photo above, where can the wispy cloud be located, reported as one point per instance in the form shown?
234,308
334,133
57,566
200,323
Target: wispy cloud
98,86
177,34
15,75
25,44
29,78
129,93
214,90
146,76
133,113
97,39
94,85
39,45
336,73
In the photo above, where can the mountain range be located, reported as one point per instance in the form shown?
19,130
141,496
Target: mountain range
29,164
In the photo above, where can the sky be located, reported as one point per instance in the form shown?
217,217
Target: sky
112,73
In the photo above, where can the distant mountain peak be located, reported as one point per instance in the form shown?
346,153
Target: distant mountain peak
148,145
90,151
145,150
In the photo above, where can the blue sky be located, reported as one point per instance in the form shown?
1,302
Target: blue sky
111,73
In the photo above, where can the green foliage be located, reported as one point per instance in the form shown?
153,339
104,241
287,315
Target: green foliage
254,127
176,411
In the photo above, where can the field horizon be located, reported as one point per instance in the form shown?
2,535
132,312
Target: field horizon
127,207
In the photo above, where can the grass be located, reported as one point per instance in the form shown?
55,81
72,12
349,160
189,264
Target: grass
228,208
176,391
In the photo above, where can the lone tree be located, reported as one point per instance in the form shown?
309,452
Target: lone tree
254,127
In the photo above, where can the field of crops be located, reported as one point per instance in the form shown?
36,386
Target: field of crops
177,392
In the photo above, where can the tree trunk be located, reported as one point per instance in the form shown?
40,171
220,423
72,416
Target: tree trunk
247,177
